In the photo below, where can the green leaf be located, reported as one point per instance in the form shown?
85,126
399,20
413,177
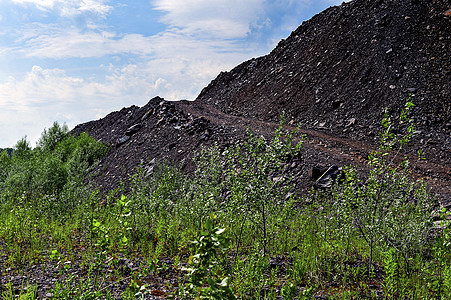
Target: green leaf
208,224
220,231
225,282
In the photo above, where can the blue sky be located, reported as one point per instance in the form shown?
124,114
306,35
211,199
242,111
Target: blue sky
74,61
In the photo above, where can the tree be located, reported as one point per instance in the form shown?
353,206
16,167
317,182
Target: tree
51,137
22,149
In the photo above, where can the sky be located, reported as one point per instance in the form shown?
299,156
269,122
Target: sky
73,61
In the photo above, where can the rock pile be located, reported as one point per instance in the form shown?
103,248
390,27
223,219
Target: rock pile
334,75
338,71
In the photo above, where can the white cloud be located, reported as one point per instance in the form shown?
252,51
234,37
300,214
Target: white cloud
71,42
221,18
69,7
38,87
94,6
30,103
44,41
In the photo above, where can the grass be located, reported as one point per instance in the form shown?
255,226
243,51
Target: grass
235,229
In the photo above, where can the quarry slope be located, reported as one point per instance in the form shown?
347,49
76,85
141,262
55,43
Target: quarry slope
334,76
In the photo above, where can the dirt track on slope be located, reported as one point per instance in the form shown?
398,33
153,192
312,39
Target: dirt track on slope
330,149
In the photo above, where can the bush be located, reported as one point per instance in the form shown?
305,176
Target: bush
387,210
59,160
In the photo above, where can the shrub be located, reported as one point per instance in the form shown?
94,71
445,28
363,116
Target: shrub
387,209
203,276
59,160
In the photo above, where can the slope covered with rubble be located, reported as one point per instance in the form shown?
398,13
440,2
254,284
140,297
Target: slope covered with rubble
334,75
339,70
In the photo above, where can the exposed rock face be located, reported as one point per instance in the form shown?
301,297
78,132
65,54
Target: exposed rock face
334,75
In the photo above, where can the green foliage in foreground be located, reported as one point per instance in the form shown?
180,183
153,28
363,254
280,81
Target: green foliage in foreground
234,229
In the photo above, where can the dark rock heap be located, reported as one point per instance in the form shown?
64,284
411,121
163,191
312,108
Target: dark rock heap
334,75
341,68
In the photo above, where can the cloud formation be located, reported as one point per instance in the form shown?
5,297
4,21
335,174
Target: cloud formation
59,43
69,7
220,18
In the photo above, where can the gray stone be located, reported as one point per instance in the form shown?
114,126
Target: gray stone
122,140
147,114
328,178
132,130
351,122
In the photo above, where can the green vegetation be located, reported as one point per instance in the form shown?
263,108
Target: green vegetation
9,151
234,229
